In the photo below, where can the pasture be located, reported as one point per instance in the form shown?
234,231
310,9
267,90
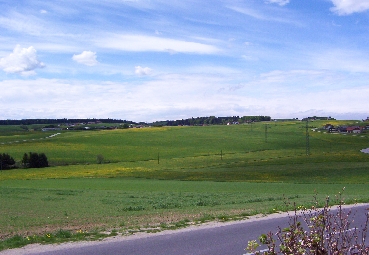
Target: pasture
172,176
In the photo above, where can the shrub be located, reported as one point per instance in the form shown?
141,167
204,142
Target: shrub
316,231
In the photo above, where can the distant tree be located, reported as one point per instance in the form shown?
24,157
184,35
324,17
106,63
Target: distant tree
100,159
6,161
33,160
42,160
25,160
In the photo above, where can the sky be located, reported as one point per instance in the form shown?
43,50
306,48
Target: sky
150,60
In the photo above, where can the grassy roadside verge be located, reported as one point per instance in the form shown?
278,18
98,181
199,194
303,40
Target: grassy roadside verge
93,208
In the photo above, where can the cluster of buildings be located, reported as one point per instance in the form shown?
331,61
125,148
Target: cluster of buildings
346,129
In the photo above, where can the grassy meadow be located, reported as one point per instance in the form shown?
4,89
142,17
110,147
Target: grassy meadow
173,176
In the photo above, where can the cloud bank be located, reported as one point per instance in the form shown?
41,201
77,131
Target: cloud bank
183,96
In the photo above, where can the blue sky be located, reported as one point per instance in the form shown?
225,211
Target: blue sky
147,60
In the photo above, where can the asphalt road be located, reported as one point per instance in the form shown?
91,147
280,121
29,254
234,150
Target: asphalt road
230,238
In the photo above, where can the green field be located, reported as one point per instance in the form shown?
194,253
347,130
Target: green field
163,177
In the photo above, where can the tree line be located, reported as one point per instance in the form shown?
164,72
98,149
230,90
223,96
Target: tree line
30,160
60,121
212,120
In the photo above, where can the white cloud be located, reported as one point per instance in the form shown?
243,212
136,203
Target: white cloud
22,60
87,58
142,43
346,7
142,70
280,2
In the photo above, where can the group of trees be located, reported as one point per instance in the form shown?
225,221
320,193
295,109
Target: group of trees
31,160
35,160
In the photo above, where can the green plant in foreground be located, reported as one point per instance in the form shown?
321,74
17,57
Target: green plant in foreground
317,232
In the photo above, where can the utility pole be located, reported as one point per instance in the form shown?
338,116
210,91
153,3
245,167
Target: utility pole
266,133
307,137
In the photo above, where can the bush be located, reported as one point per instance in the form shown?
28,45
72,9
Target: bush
6,161
316,231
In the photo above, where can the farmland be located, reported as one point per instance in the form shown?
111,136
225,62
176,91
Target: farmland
160,176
